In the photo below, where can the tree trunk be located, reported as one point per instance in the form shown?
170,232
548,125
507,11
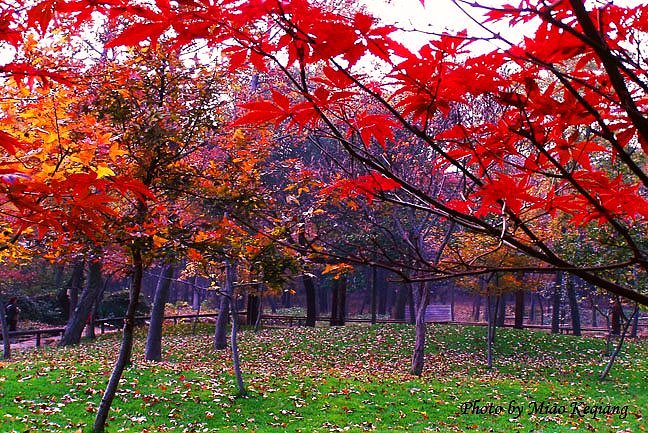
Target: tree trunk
196,298
452,303
594,315
127,340
90,326
220,335
410,303
617,349
541,306
635,326
338,302
309,288
253,302
153,351
501,310
74,286
491,324
476,308
233,339
374,294
398,311
6,340
532,309
311,300
573,306
257,323
616,317
382,288
83,311
273,303
519,309
286,299
555,310
421,296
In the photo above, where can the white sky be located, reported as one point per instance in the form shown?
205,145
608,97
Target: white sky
437,16
440,15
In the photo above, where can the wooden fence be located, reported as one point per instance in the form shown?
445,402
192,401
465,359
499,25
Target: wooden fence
268,320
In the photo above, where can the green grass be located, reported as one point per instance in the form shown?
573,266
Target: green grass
329,379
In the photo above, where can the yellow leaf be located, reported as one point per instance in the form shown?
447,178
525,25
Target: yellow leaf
51,138
103,171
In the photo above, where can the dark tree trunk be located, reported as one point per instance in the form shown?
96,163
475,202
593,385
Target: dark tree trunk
452,303
6,340
491,313
476,308
83,311
616,317
410,304
374,294
382,288
617,349
234,342
519,310
532,309
74,287
220,335
127,340
90,328
322,294
635,326
501,310
398,310
153,349
311,300
196,298
286,299
573,306
421,296
593,304
273,304
338,301
309,288
257,323
253,302
555,309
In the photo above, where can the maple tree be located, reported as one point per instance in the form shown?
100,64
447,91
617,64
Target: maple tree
566,98
551,127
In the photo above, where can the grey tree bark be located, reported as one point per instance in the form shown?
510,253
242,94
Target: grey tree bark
573,306
234,346
74,287
555,310
617,349
374,294
220,334
338,302
398,309
501,310
519,309
126,348
153,351
83,310
6,341
421,296
492,326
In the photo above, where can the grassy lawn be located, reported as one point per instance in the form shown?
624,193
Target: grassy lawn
327,380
